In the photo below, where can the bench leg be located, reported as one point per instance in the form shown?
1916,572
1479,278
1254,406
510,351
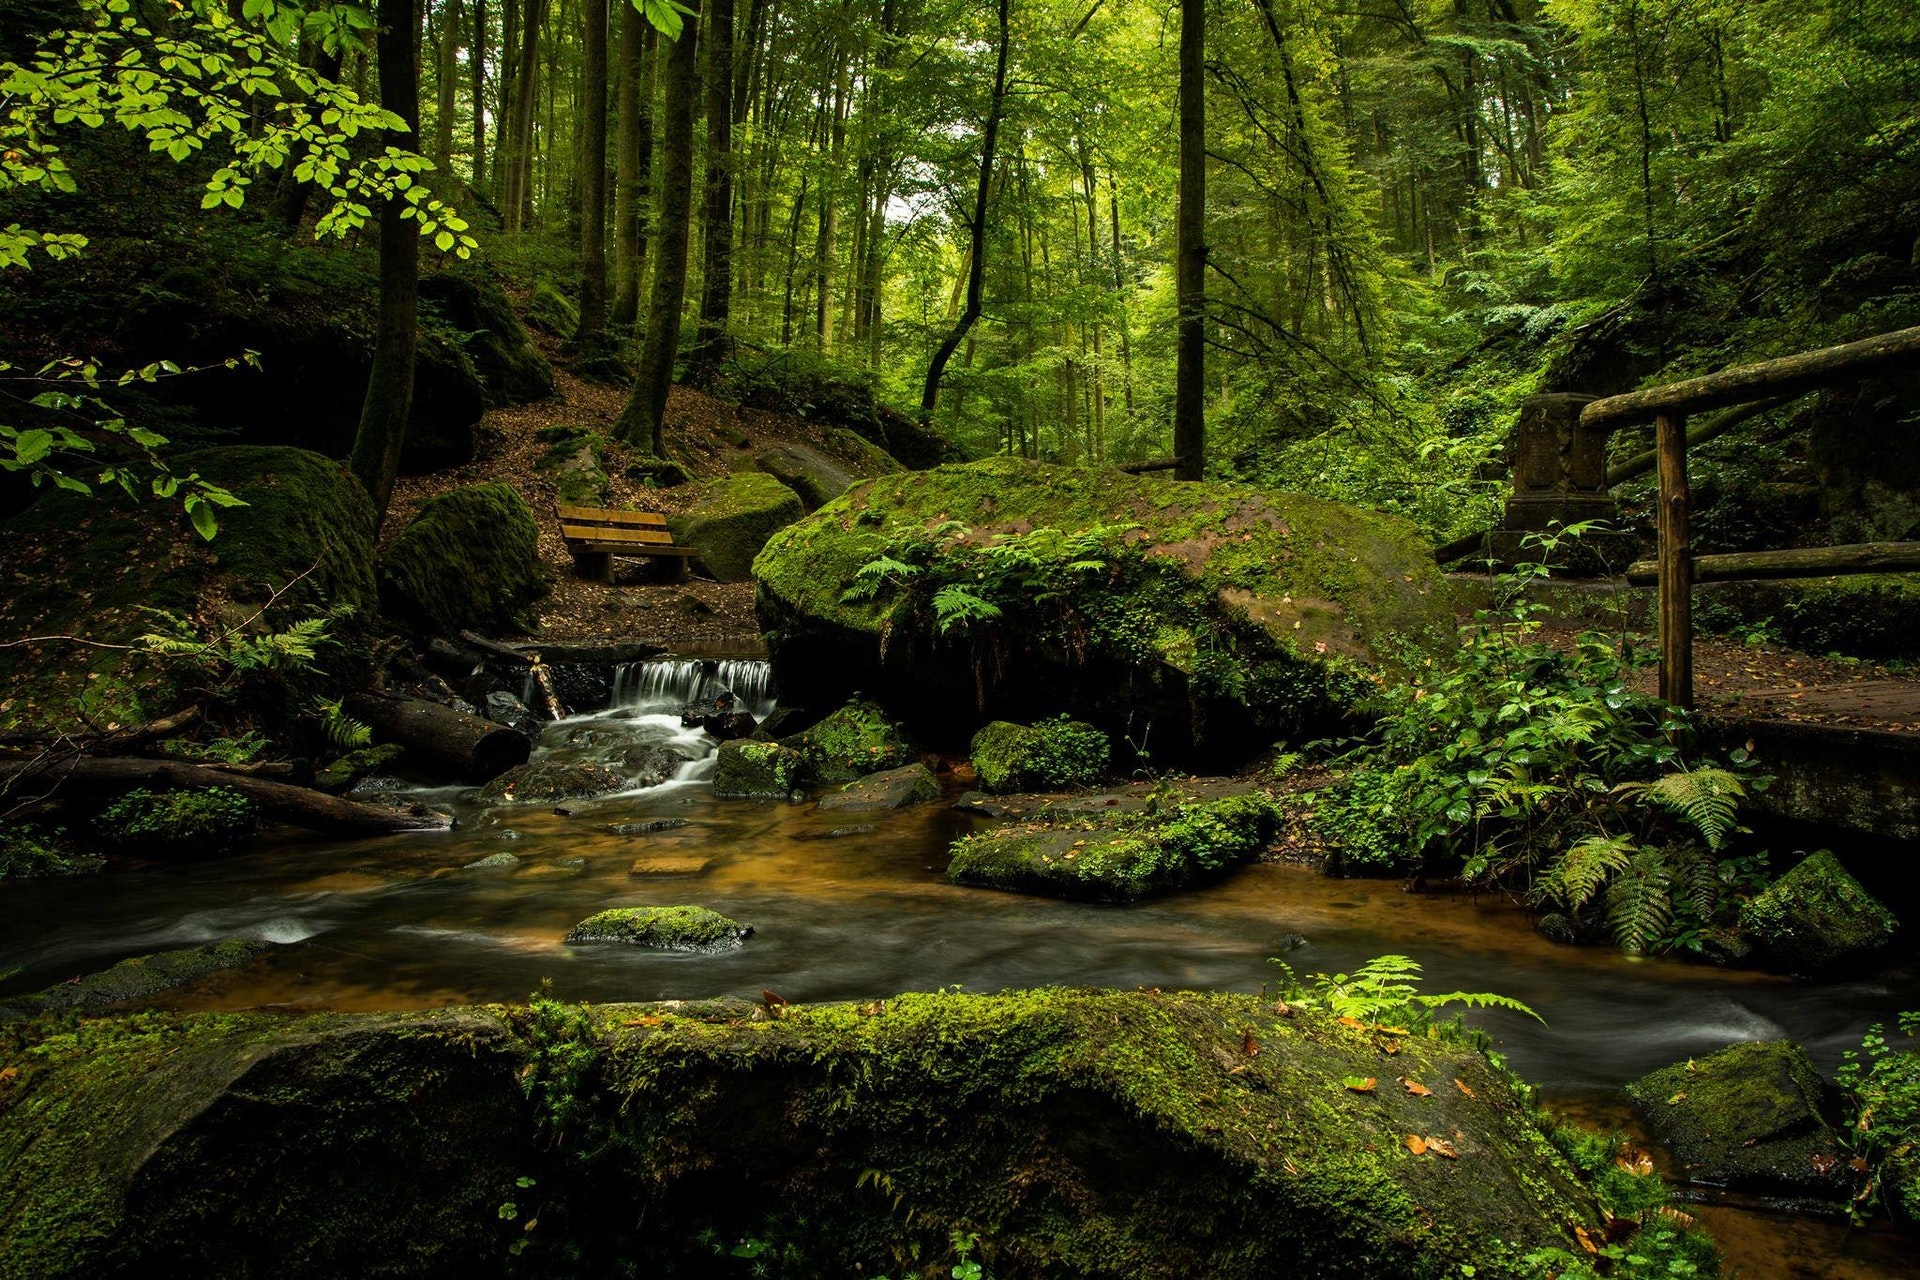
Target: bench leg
594,566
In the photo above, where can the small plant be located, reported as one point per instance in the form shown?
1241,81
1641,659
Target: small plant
1386,989
1882,1084
191,821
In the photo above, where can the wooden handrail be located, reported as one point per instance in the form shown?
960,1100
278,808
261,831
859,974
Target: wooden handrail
1796,562
1789,375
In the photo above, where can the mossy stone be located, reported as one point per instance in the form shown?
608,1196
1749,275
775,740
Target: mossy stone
187,821
681,928
657,473
731,518
1097,859
749,770
857,739
509,365
550,782
1052,755
890,789
575,460
469,558
817,478
342,773
1817,918
552,311
140,977
1751,1116
1225,618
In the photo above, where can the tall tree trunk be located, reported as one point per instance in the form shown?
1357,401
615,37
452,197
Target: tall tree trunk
477,67
716,219
643,421
977,230
526,95
1190,270
1120,293
506,94
389,402
633,166
445,78
593,175
824,248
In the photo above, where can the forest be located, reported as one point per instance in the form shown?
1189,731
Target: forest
1070,638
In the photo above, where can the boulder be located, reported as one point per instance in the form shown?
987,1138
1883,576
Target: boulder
891,789
1751,1117
551,782
95,567
575,460
649,764
551,311
1083,1133
731,519
663,929
856,740
1817,918
342,773
508,711
1054,755
1096,858
1210,618
808,472
759,771
657,473
510,366
502,861
469,558
138,978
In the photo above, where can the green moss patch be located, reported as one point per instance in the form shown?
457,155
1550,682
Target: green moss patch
1817,917
467,558
1054,755
731,519
663,929
140,978
760,771
575,460
550,782
856,740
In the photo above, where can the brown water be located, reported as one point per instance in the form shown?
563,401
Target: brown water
399,923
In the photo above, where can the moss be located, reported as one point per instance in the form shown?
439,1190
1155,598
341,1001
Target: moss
550,782
760,771
552,311
510,366
856,740
467,558
29,851
681,928
1750,1116
657,473
1120,859
340,774
731,518
575,460
1054,754
141,977
1817,917
185,821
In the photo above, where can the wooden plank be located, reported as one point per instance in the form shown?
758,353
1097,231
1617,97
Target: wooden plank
631,549
1800,562
1790,375
608,515
589,533
1676,564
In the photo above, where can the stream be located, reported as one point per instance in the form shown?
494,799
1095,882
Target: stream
402,923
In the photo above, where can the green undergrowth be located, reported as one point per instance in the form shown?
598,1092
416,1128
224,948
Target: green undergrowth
183,821
1056,754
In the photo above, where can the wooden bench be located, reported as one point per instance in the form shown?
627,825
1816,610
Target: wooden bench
595,535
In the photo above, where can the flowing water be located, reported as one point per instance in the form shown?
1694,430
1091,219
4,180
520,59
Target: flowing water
400,923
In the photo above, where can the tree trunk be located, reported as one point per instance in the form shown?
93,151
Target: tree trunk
977,230
453,741
389,401
477,67
1190,281
593,176
716,275
633,166
643,421
518,193
444,85
830,204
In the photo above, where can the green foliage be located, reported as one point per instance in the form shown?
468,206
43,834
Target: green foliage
1882,1085
561,1057
1665,1243
29,851
1386,990
186,821
1056,753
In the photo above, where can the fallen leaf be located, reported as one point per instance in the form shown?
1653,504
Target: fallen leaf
1677,1099
1672,1214
1586,1241
1360,1084
1415,1088
1824,1164
1355,1023
1248,1045
9,1074
1461,1085
1393,1031
1416,1144
1857,1164
1634,1161
1441,1147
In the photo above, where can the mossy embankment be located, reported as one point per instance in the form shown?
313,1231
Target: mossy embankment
1080,1133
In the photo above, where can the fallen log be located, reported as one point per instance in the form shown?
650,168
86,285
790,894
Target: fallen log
1801,562
299,806
465,746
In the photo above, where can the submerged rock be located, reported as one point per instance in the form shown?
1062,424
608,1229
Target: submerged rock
681,928
139,978
1817,917
1054,755
551,781
1085,1133
1751,1117
892,789
1221,616
649,764
469,558
732,518
647,828
494,862
670,864
759,771
1116,859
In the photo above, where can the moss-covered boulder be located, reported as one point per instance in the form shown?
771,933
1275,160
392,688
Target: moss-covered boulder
1092,857
1210,618
575,460
1817,918
95,567
731,518
551,311
745,770
510,366
174,823
817,478
345,771
891,789
857,739
1750,1117
680,928
1054,755
1077,1133
551,782
139,978
468,558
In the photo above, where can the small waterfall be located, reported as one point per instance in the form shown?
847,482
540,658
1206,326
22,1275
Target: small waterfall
667,684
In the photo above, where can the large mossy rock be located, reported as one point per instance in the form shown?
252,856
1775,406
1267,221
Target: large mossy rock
819,479
745,770
683,928
467,558
575,460
510,366
551,782
1090,856
1054,755
139,978
910,784
1221,618
1080,1133
94,567
856,740
1817,918
1750,1117
731,518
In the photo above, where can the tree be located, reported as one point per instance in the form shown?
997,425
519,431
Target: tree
633,163
593,178
643,421
1190,264
716,292
389,403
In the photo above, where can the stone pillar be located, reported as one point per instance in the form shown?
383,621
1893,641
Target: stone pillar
1559,478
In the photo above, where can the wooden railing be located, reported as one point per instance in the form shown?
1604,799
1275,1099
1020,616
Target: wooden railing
1675,568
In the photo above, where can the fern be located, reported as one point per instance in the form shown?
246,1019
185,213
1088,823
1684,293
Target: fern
1583,870
870,578
1706,799
1640,902
1387,988
342,731
1695,882
956,606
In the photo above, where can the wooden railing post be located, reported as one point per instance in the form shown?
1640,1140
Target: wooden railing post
1676,563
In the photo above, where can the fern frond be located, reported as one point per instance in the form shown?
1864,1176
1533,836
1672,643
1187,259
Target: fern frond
1478,1000
1639,904
1706,799
1584,868
342,731
1695,887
